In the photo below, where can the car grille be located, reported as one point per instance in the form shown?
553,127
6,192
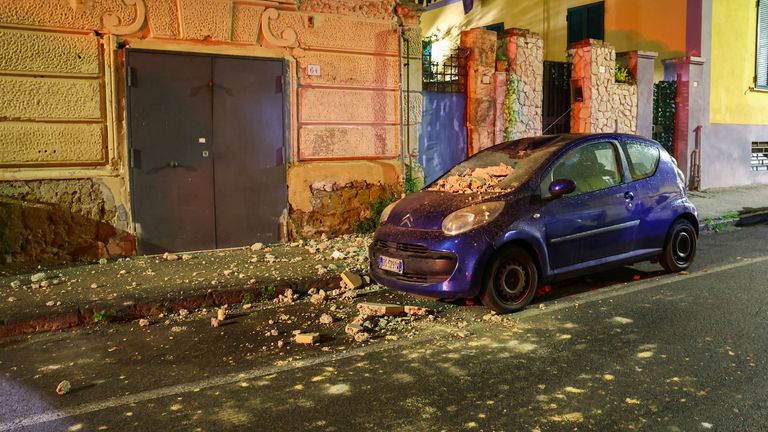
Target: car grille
404,247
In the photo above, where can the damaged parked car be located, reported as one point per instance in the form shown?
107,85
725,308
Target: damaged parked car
536,210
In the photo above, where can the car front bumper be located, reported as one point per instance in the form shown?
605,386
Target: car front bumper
434,265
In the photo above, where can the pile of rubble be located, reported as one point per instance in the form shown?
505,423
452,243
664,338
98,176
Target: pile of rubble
382,318
475,180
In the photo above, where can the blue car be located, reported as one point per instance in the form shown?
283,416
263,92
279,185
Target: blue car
536,210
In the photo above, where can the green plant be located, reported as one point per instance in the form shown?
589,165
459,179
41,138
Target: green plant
623,75
509,108
247,298
99,316
369,224
268,292
411,183
730,216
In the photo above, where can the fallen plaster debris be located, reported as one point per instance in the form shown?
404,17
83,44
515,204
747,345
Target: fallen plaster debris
63,388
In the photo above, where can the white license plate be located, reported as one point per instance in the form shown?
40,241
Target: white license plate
391,264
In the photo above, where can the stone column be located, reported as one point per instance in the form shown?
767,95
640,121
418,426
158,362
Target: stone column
688,72
605,105
500,80
412,103
525,51
481,65
641,65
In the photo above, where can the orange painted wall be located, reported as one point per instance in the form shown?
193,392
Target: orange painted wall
649,25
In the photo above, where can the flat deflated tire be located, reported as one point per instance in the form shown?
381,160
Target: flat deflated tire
511,281
680,246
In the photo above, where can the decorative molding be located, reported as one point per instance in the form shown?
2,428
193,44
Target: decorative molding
373,9
287,39
78,5
113,25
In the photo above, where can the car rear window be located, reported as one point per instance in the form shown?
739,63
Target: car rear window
643,159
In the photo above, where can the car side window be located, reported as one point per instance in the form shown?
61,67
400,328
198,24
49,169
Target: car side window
591,167
643,159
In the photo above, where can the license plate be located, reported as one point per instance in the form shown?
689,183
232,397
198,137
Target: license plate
391,264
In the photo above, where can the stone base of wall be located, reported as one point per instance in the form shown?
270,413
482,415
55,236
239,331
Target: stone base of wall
339,209
60,221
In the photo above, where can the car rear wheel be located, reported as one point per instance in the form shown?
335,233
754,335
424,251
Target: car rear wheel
511,281
680,248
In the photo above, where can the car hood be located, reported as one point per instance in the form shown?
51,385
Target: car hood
427,209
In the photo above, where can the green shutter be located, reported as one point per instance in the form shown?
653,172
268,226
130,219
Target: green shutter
761,72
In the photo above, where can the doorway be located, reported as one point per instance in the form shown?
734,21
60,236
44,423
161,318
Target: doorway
206,140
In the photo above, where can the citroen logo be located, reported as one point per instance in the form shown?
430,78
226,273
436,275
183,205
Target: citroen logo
407,220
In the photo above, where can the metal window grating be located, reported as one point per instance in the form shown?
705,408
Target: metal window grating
759,161
448,76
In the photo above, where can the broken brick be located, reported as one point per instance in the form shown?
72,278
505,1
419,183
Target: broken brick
379,309
416,310
307,338
353,329
351,280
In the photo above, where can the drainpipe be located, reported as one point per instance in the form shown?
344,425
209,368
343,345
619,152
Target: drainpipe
408,101
696,160
400,91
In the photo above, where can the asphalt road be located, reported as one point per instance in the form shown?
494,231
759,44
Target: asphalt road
662,353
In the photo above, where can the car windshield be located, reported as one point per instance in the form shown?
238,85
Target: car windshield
501,168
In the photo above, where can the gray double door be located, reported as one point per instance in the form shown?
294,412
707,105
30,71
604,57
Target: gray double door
206,150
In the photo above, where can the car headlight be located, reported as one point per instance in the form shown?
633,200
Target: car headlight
385,212
471,217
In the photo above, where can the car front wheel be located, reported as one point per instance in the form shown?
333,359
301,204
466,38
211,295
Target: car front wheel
511,281
680,247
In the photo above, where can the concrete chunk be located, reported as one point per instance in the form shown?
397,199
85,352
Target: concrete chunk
307,338
379,309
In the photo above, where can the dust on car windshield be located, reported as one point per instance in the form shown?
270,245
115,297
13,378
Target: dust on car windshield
499,169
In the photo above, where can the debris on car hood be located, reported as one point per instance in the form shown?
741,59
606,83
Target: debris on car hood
475,180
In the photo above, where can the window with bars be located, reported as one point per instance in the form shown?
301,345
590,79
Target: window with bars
759,160
761,57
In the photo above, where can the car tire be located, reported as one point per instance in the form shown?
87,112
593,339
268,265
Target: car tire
680,246
511,281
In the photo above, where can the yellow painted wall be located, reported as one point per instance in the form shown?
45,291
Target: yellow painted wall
734,27
650,25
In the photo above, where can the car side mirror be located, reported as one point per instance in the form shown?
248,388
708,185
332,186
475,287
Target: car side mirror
561,187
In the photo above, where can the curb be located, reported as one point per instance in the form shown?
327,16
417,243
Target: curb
153,306
715,225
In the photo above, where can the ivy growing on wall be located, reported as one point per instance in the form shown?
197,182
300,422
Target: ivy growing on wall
664,107
509,108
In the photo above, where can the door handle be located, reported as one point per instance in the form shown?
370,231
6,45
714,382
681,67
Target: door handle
629,196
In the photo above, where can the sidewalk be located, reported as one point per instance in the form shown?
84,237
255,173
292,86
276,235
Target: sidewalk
132,288
727,205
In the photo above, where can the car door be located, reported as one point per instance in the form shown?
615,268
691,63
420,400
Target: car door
651,192
597,220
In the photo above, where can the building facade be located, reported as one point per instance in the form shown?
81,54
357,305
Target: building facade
715,52
189,125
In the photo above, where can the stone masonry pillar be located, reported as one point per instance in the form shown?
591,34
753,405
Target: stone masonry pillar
525,51
591,74
641,65
688,72
481,65
604,105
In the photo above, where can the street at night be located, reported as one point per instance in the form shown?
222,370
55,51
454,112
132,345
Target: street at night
666,352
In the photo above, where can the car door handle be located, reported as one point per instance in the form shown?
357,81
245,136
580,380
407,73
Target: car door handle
629,196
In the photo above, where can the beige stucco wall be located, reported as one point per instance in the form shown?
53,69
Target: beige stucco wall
62,105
